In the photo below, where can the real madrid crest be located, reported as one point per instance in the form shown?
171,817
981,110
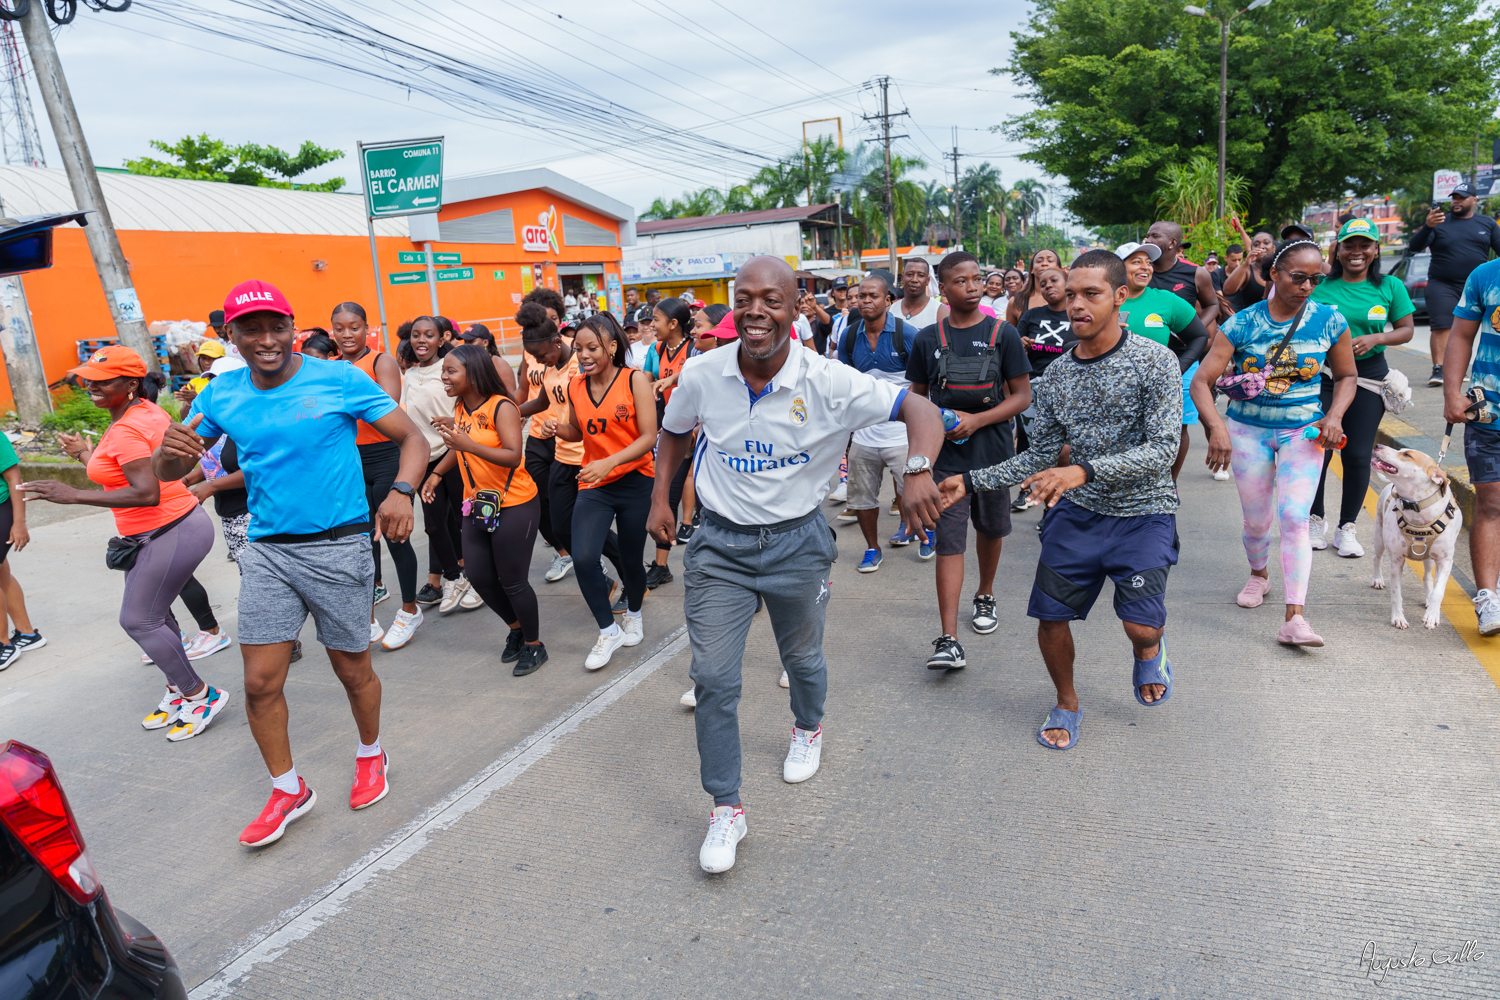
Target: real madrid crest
799,411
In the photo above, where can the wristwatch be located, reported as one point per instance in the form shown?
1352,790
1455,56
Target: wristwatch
405,489
916,464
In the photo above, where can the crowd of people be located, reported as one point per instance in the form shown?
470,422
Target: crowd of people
722,431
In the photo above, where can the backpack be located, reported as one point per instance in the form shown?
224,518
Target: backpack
898,338
968,383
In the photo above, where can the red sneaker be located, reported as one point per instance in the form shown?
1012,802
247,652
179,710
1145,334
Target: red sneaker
279,811
370,785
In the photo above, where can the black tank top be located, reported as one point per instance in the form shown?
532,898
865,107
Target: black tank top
1178,279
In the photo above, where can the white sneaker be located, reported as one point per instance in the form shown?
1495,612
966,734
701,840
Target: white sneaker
166,712
840,494
634,627
1222,476
375,632
785,681
206,644
561,567
689,700
470,600
802,758
402,629
1317,529
726,828
194,716
604,649
1487,608
453,592
1347,542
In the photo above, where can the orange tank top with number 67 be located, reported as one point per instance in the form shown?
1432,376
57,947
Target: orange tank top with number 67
608,426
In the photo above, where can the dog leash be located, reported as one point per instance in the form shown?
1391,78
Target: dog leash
1447,437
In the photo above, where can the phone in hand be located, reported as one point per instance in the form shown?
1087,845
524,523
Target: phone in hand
1437,206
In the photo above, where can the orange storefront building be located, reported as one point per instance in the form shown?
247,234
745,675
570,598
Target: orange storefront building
189,242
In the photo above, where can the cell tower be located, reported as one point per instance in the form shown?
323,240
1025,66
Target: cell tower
19,140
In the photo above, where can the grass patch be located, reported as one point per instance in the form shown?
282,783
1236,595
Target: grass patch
75,413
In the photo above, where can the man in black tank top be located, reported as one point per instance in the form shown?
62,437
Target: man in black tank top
1180,277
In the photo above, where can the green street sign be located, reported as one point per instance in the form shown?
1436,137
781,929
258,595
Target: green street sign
411,257
456,274
499,275
402,178
409,278
447,258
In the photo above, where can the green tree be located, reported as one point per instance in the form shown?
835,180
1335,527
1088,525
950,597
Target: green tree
1323,97
205,159
1029,199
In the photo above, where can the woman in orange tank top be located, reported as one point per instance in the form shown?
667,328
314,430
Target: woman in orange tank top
612,410
381,460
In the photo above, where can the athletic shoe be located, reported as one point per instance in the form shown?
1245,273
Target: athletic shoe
1298,633
513,644
166,713
403,629
530,661
621,605
928,548
1437,375
471,599
146,657
1253,593
375,632
685,533
207,644
194,716
1023,502
381,593
726,828
840,493
901,538
429,595
689,698
785,682
1487,607
1317,530
8,654
984,621
561,567
279,811
23,641
296,650
1347,541
871,562
947,654
896,506
1222,476
847,515
657,575
802,759
634,627
453,592
603,649
371,780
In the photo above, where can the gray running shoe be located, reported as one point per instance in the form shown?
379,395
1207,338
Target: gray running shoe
1487,606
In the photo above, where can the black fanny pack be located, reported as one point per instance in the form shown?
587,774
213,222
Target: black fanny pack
120,553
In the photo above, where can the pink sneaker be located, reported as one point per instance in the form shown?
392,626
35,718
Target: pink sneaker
1298,633
1253,593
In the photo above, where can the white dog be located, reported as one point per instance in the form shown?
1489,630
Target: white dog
1415,518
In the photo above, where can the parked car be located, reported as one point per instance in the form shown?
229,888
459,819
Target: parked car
1413,273
59,935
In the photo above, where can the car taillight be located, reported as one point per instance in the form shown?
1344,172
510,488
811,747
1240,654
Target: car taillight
34,808
1419,284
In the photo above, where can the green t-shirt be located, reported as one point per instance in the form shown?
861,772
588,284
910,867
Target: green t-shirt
1366,307
7,460
1157,313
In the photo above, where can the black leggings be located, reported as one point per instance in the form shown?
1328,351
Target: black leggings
196,599
540,454
674,493
564,489
381,462
626,502
497,564
440,521
1361,421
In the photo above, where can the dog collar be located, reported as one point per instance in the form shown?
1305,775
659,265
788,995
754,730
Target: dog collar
1417,505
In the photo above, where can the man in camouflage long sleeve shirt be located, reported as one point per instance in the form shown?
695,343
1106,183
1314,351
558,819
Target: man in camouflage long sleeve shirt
1116,399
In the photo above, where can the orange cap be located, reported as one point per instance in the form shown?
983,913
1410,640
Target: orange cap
113,361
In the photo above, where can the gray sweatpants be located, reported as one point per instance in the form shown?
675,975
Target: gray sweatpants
788,566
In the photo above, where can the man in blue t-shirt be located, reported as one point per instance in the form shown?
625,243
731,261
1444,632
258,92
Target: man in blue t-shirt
1478,313
293,419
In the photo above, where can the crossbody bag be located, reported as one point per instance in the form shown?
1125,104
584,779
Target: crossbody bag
484,507
1251,384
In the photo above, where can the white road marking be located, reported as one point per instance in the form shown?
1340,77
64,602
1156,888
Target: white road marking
269,942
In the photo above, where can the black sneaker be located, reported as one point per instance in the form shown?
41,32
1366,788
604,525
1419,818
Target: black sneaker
621,604
23,642
984,621
8,654
657,575
685,532
532,658
947,654
296,650
513,645
429,594
1437,375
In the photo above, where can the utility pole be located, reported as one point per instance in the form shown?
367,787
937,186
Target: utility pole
885,117
958,222
104,245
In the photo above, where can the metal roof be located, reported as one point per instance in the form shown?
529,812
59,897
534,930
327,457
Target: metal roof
166,204
758,218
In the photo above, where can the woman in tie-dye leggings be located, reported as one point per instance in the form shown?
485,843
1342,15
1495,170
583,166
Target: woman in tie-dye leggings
1275,467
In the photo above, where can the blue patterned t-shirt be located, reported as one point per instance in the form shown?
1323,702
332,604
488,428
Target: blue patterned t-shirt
1290,398
1481,301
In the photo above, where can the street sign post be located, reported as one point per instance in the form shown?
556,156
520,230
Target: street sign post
404,177
447,258
410,257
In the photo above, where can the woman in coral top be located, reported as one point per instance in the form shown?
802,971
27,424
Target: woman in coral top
174,532
612,410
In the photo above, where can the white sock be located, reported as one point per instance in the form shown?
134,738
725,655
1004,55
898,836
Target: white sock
373,750
612,631
200,695
632,614
287,782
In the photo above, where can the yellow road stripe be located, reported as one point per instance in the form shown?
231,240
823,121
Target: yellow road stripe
1457,606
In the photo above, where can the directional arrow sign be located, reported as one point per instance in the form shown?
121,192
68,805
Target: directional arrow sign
447,258
411,257
456,274
402,178
409,278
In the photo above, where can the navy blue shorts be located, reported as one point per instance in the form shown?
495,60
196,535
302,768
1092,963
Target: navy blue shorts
1081,548
1482,452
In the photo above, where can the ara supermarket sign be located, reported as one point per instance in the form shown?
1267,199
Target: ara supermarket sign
542,237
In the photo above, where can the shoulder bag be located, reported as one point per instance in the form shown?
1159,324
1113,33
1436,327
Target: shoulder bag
1252,384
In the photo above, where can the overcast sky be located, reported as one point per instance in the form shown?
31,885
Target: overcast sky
691,64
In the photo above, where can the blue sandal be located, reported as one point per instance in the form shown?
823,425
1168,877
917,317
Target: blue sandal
1157,670
1061,718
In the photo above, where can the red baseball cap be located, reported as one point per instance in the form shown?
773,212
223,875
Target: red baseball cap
725,330
254,296
114,361
699,303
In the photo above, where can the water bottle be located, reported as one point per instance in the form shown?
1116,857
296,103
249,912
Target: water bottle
1311,433
950,421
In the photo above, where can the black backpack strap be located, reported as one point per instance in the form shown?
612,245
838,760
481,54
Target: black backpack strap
847,347
898,339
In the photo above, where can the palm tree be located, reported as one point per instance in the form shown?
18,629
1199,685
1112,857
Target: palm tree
822,159
1029,200
908,199
778,185
977,191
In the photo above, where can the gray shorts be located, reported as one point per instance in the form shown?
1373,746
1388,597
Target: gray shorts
866,467
280,584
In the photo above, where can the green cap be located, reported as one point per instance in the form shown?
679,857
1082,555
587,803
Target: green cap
1359,227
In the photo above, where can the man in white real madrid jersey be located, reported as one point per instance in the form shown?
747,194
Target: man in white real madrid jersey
773,423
